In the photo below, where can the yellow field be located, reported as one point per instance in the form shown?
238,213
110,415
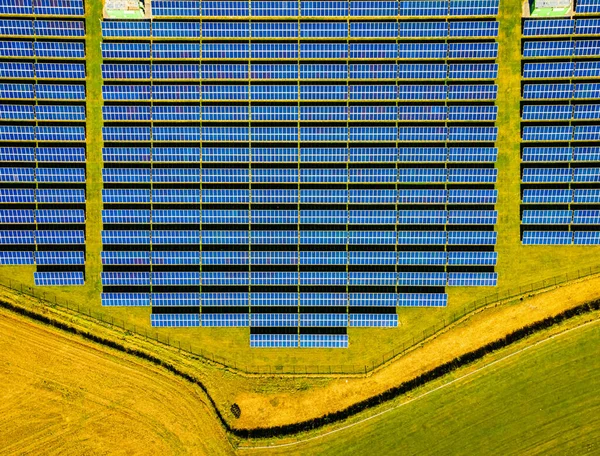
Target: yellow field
61,395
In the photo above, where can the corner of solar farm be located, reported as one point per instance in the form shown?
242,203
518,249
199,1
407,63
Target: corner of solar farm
278,175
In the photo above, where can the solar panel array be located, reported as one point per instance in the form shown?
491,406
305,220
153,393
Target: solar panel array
42,138
298,177
560,129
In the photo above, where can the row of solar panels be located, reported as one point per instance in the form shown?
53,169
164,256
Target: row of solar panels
180,71
212,92
42,154
561,70
272,217
43,258
309,30
303,8
254,237
42,195
276,299
196,258
42,7
58,278
71,175
560,154
42,49
561,237
42,237
295,341
390,113
587,6
560,217
42,112
20,216
561,112
561,91
24,133
561,196
268,134
273,278
42,91
194,238
43,29
562,133
293,175
220,51
303,320
17,70
292,154
560,175
562,48
278,196
560,27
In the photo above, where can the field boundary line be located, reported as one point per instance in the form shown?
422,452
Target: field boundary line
58,320
427,393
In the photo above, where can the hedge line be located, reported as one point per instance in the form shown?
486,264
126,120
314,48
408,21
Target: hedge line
315,423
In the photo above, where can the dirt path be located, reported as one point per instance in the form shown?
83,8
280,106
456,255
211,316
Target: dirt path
61,395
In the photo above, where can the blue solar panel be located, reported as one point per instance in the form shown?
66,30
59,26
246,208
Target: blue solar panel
548,27
586,237
546,217
175,320
125,299
551,196
373,320
53,28
549,48
16,258
274,341
474,29
547,237
587,27
13,27
422,299
58,278
472,279
323,340
587,6
547,112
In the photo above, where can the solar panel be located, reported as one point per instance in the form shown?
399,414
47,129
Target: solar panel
274,341
547,237
125,299
548,27
373,320
175,320
58,278
323,340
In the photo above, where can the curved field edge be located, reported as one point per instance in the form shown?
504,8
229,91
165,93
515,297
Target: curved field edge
538,396
62,394
220,385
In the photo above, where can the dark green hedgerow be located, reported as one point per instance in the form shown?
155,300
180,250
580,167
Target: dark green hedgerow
330,418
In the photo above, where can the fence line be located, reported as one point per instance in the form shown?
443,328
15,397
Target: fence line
410,342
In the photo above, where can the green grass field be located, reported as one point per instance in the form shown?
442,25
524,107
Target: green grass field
543,400
517,264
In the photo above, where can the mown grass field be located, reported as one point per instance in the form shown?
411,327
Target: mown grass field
517,264
543,400
64,395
